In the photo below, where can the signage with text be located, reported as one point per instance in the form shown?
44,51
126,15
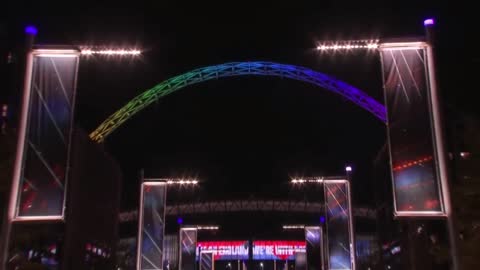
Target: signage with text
277,250
262,250
225,250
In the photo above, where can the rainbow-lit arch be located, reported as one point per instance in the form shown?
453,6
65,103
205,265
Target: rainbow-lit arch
236,69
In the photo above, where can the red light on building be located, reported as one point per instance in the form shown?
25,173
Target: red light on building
411,163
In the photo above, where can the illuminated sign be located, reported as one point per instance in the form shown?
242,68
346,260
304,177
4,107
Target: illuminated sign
262,250
225,250
277,250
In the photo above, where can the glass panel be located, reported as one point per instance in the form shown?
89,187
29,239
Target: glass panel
314,247
153,223
42,183
414,169
337,198
188,247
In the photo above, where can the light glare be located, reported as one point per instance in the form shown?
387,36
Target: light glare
181,181
208,228
348,45
120,52
429,22
302,181
31,30
293,227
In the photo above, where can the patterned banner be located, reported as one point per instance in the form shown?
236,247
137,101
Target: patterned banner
415,174
151,225
207,260
277,250
339,225
188,246
314,247
45,134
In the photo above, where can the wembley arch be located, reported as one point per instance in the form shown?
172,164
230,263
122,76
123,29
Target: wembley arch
232,69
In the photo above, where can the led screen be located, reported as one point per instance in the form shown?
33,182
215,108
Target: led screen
277,250
225,250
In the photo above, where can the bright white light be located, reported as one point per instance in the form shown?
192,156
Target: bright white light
301,181
208,228
348,168
348,45
181,181
428,22
415,45
121,52
293,227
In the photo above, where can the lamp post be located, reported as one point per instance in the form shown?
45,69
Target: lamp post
440,142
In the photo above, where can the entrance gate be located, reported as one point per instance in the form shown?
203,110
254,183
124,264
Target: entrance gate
412,115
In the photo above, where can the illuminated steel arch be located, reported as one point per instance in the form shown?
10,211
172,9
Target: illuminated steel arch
237,69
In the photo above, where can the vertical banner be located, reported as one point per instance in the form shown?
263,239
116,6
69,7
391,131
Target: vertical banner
207,260
151,225
170,252
188,247
340,248
416,180
314,247
300,261
41,167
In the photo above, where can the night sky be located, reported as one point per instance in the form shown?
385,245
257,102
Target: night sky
244,136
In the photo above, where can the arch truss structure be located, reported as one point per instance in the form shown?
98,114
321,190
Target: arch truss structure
247,206
171,85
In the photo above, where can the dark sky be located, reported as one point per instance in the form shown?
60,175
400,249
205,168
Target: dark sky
243,135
